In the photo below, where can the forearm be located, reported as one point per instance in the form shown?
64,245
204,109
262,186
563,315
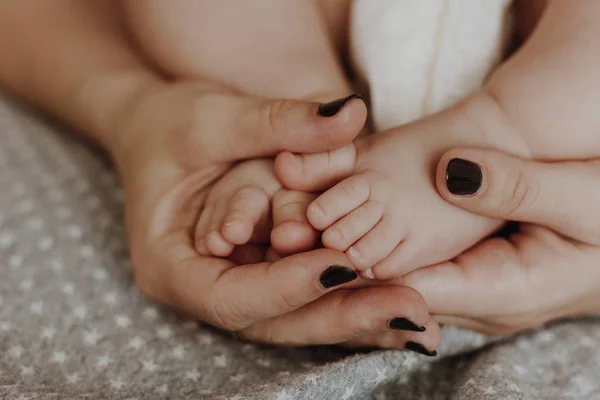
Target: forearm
549,89
71,58
269,48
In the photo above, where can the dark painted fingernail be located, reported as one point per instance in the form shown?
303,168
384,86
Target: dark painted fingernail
334,107
417,347
463,177
403,324
336,275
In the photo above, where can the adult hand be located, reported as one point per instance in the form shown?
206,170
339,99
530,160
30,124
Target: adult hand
546,271
179,139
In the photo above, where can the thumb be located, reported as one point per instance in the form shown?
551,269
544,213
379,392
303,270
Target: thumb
561,196
266,127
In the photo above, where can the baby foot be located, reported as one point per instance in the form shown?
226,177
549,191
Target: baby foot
237,212
384,210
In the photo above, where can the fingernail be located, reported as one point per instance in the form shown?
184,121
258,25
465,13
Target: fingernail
333,107
368,273
317,210
463,177
354,253
297,160
337,275
418,348
403,324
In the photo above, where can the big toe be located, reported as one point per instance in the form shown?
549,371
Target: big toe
315,172
292,232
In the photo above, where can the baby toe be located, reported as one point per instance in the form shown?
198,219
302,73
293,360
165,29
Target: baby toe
201,230
292,233
352,227
246,208
315,172
376,245
338,201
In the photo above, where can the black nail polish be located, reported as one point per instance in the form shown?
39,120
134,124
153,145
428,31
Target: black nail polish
333,107
463,177
403,324
336,275
416,347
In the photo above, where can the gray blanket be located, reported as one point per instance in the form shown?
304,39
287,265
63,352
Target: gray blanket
72,324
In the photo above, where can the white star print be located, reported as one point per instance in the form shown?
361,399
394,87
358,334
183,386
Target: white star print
15,261
26,371
6,240
381,376
48,333
149,366
586,342
86,251
45,243
68,288
519,369
26,285
178,352
36,223
64,213
36,308
122,321
312,378
150,313
221,361
103,361
193,375
162,388
99,274
15,351
238,377
136,343
263,362
380,396
5,326
283,373
91,337
348,393
410,361
80,312
490,390
117,383
24,206
164,332
59,357
206,339
73,378
283,396
56,266
110,299
74,231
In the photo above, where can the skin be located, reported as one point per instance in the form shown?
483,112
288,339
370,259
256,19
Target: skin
386,229
96,80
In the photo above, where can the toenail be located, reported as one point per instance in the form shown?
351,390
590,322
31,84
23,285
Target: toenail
368,273
298,161
231,222
335,233
317,210
354,253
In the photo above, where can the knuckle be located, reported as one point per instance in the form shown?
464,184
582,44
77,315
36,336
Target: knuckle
357,187
273,112
225,317
521,194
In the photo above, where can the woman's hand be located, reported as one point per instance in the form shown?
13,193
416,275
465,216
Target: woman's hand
546,271
175,143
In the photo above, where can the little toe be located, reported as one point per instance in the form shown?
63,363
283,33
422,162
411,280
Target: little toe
338,201
217,245
246,208
315,172
201,229
353,226
376,245
292,233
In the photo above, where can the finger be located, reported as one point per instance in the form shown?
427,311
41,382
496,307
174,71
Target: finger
265,127
315,172
355,225
233,298
424,343
475,325
248,205
292,233
560,196
343,315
